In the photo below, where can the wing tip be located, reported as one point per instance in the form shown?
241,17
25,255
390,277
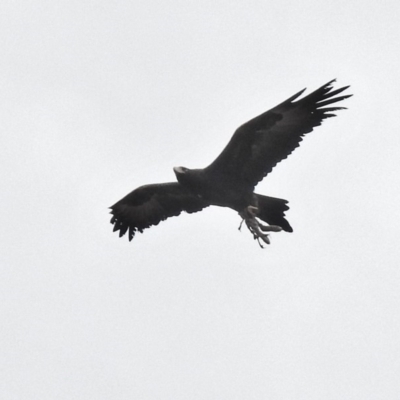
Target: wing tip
324,92
330,82
295,96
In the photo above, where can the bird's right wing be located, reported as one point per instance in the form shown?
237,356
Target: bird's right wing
261,143
150,204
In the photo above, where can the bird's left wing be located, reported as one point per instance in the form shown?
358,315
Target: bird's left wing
150,204
261,143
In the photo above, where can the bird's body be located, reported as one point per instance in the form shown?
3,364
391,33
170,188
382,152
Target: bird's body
214,189
229,181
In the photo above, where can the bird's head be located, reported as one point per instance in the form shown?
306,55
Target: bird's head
180,170
180,173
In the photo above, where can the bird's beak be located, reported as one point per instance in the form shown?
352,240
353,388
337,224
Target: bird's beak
178,170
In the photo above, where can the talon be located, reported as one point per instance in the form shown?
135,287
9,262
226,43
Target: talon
252,211
270,228
255,227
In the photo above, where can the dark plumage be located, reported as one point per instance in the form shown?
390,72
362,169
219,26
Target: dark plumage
229,181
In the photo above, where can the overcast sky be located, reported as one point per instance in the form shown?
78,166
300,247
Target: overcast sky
99,97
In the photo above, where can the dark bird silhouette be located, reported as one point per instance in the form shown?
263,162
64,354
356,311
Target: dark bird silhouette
229,181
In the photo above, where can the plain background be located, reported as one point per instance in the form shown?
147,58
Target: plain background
99,97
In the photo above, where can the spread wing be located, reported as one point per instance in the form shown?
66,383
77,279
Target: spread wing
261,143
150,204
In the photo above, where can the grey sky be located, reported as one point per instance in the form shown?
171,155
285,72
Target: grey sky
100,97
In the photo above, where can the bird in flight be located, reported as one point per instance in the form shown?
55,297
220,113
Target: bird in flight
229,181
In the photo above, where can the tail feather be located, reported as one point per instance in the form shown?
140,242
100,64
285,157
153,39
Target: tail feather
272,211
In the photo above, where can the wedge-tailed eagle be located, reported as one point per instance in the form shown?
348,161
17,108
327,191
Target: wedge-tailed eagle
229,181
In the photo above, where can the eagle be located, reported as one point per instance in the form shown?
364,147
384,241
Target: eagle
254,150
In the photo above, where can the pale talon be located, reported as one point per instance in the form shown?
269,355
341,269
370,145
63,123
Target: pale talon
255,227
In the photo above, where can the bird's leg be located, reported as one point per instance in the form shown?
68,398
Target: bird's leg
255,227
